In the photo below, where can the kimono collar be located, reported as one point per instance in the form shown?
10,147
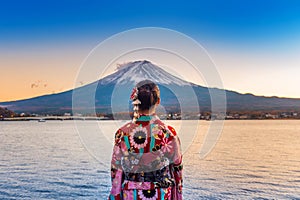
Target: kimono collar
144,117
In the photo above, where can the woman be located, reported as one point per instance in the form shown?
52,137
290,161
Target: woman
146,162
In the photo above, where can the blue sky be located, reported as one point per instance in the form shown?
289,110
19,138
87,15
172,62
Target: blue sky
252,31
234,21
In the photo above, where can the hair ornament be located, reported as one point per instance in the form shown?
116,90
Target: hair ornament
134,94
135,102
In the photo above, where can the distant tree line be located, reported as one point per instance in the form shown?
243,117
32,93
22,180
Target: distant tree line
4,113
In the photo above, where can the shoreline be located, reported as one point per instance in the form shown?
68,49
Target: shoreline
94,119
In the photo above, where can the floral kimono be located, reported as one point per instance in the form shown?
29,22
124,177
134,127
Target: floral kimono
146,162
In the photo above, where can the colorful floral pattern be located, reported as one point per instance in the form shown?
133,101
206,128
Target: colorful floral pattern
148,194
138,137
146,162
166,145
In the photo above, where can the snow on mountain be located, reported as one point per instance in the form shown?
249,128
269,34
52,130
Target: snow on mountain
141,70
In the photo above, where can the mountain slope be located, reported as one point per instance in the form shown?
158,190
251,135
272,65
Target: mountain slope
129,74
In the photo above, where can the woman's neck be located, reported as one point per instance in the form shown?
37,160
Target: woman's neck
147,112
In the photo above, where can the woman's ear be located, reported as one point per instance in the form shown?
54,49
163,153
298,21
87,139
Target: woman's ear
158,101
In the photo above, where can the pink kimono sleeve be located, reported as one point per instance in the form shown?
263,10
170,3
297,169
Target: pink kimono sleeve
177,173
176,166
116,171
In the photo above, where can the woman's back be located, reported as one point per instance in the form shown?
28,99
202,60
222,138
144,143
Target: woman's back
146,162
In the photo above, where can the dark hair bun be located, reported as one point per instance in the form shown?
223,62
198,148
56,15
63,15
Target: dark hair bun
148,94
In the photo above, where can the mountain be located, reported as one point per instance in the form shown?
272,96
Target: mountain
111,94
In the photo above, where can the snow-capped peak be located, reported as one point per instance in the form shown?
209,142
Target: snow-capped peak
141,70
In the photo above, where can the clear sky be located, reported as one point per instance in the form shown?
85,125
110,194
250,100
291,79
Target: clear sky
255,44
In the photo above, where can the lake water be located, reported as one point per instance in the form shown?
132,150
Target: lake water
252,160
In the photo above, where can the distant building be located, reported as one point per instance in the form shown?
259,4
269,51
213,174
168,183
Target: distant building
270,116
229,117
67,114
244,117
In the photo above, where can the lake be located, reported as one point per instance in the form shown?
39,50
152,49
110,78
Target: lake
253,159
